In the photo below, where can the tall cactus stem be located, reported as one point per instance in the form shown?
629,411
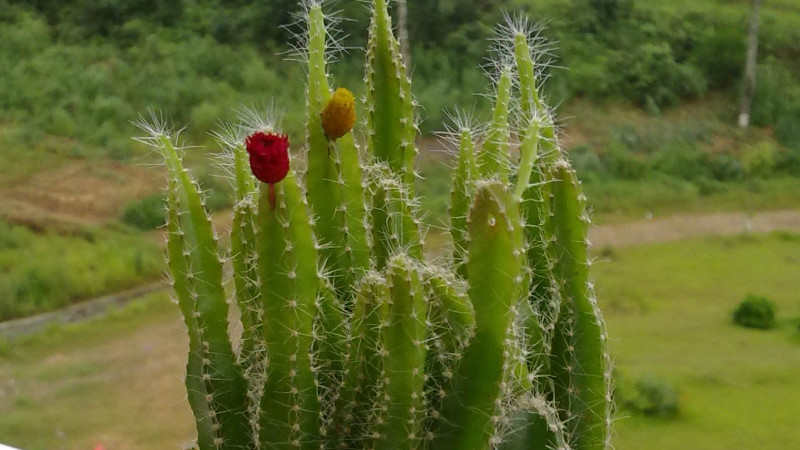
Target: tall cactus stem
461,194
324,181
224,385
580,363
401,407
494,161
495,260
531,104
363,364
390,116
243,254
287,257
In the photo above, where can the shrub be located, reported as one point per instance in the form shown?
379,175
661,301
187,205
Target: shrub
145,214
622,164
682,161
649,396
34,281
760,160
787,128
587,163
755,312
726,168
770,100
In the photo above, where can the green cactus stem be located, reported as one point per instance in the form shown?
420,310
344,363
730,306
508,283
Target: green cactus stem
214,380
461,196
580,363
400,407
390,105
494,265
494,159
351,339
287,264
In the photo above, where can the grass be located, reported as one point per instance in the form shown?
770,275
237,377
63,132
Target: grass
614,201
114,381
668,308
46,271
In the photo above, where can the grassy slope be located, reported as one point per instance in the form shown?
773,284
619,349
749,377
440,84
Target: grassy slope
46,271
668,308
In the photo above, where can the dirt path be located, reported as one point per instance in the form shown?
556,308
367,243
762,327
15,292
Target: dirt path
678,227
77,312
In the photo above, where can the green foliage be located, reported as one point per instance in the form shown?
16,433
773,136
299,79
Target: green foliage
621,163
46,272
649,396
588,163
145,214
91,90
82,70
787,128
755,312
759,160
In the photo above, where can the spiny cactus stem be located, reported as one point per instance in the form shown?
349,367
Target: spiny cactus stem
528,153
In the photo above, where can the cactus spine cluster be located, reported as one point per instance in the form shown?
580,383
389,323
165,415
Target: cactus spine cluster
350,338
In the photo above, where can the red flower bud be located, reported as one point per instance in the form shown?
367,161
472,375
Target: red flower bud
269,156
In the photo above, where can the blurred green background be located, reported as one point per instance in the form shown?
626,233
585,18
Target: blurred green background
648,98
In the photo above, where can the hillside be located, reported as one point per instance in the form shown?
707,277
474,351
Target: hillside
648,95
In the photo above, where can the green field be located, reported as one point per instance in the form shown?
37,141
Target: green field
668,308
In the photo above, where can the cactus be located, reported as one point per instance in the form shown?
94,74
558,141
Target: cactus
350,337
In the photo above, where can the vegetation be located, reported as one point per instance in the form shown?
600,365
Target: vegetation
676,327
48,271
93,63
648,396
755,312
145,214
75,74
679,328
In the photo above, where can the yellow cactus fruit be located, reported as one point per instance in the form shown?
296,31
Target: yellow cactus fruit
339,115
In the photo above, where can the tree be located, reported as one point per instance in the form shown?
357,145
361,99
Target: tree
750,67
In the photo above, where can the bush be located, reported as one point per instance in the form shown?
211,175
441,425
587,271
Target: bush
622,164
145,214
649,396
726,168
587,163
760,160
769,99
787,129
682,161
755,312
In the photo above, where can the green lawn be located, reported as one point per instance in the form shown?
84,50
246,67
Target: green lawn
668,308
116,381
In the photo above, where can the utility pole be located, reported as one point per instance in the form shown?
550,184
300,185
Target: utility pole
402,31
750,67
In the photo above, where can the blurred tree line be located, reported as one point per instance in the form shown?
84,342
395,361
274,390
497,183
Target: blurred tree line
613,49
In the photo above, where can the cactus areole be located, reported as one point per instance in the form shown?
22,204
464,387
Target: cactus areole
269,156
350,337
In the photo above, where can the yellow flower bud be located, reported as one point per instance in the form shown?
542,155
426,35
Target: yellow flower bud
339,115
